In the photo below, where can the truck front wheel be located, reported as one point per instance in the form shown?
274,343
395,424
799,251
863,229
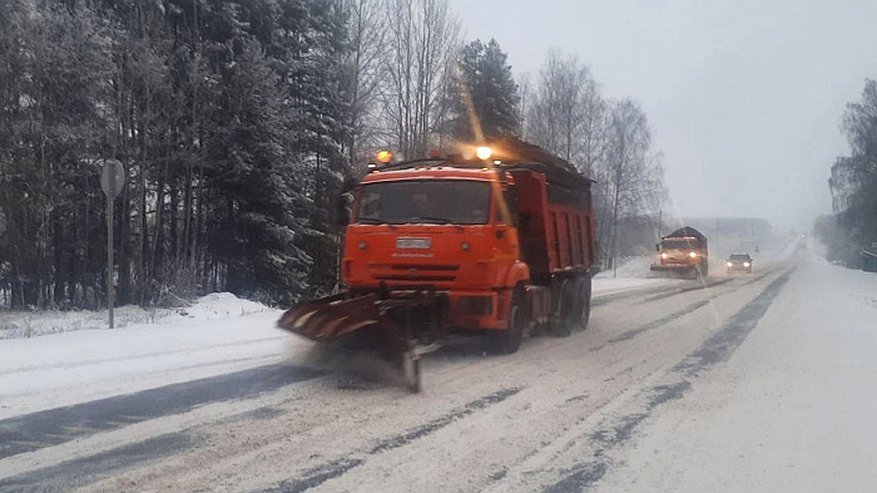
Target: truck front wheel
508,341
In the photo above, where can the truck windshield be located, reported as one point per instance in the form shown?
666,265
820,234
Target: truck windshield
678,245
425,201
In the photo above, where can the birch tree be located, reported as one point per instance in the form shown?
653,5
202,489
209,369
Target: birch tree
421,41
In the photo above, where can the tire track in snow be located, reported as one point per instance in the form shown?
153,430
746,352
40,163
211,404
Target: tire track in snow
721,345
34,431
83,471
654,324
616,431
320,474
688,289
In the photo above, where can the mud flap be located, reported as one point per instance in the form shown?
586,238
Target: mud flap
411,370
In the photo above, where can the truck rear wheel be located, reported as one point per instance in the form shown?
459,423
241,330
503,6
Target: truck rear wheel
565,313
508,341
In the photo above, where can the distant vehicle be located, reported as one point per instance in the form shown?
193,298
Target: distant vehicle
739,262
683,251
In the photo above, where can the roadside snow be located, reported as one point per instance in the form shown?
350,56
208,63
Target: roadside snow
603,286
78,359
629,268
18,324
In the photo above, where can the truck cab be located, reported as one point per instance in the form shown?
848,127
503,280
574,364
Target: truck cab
435,225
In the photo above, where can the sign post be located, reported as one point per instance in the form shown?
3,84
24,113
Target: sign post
112,182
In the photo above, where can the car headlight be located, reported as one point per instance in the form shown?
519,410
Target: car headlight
730,264
693,254
664,255
746,264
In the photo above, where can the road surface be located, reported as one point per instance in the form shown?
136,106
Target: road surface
751,383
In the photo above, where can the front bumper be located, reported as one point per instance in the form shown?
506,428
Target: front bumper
669,266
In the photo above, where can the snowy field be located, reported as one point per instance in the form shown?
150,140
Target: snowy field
215,306
73,357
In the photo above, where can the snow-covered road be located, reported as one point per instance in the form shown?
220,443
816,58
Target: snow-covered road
749,383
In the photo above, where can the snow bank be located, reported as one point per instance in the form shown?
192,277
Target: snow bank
636,267
18,324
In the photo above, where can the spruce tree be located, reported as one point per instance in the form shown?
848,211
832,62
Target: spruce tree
484,89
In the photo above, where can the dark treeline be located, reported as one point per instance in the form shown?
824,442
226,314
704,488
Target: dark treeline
227,118
854,184
240,121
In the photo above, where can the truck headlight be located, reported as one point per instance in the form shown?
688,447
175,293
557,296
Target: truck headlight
746,264
664,255
730,264
693,254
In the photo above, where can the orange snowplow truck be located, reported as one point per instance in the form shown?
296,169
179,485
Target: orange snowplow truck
500,241
684,251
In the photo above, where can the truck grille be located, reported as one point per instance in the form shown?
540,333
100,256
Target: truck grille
415,272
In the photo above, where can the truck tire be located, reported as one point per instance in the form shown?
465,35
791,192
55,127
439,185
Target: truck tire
508,341
565,318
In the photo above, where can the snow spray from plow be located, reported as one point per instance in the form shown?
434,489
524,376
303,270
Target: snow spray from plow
401,327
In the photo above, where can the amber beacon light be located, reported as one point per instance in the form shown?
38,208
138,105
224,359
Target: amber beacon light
384,157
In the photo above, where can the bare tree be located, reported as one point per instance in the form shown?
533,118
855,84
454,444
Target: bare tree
525,90
422,40
566,112
631,181
363,69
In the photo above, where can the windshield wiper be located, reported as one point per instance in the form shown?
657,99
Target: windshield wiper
432,219
369,220
375,220
437,220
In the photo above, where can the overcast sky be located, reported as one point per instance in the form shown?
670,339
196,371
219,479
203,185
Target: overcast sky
745,97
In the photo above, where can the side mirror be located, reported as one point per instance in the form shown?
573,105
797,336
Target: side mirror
343,210
657,247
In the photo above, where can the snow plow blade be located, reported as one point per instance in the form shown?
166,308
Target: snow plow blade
329,318
401,327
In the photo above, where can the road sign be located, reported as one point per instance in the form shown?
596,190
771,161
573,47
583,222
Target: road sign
112,177
112,181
